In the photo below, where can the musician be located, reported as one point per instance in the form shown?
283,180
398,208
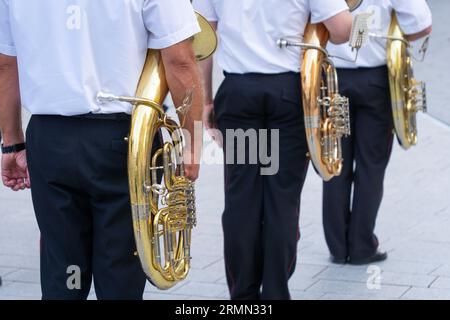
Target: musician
261,91
64,52
351,201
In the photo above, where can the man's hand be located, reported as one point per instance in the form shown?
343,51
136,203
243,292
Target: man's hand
419,35
14,165
15,171
191,165
191,171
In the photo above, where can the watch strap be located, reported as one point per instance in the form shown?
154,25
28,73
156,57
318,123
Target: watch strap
14,148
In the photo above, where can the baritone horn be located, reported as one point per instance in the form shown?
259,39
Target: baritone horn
162,198
326,112
408,95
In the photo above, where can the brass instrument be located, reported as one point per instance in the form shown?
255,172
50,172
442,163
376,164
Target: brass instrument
163,212
326,112
407,94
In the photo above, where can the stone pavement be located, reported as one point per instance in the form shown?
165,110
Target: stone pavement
436,67
413,224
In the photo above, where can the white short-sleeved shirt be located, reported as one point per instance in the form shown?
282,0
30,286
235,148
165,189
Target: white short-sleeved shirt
249,30
413,17
68,50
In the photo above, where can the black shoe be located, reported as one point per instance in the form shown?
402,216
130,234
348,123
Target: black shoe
337,260
376,257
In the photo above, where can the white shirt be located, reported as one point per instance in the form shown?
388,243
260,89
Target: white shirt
249,30
413,17
68,50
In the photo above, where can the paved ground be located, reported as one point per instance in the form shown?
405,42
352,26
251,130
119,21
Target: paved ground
413,223
436,68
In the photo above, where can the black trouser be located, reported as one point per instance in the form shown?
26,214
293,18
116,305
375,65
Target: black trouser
349,215
78,171
260,220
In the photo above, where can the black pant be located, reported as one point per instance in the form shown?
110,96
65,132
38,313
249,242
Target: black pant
81,199
349,215
260,220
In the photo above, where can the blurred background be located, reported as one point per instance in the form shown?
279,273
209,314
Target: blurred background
413,224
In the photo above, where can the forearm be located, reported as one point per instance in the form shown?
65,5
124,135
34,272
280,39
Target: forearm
10,106
206,68
182,80
340,27
419,35
184,76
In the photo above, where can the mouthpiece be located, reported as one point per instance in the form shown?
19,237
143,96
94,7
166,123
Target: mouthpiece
103,97
282,43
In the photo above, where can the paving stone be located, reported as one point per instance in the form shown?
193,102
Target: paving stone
315,259
159,295
201,289
212,244
423,251
163,296
435,67
22,262
309,270
23,290
16,298
28,276
408,267
6,271
149,288
4,285
305,295
443,270
206,298
304,276
210,274
202,261
344,296
441,283
358,289
199,275
389,278
299,282
222,280
427,294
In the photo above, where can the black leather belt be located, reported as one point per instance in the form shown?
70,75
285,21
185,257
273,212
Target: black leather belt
109,116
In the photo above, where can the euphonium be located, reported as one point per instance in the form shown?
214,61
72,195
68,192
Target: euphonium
326,112
407,94
163,212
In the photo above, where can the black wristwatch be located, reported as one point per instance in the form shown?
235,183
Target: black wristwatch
13,149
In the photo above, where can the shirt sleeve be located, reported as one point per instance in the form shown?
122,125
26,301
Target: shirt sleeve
169,22
6,40
322,10
206,9
413,15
